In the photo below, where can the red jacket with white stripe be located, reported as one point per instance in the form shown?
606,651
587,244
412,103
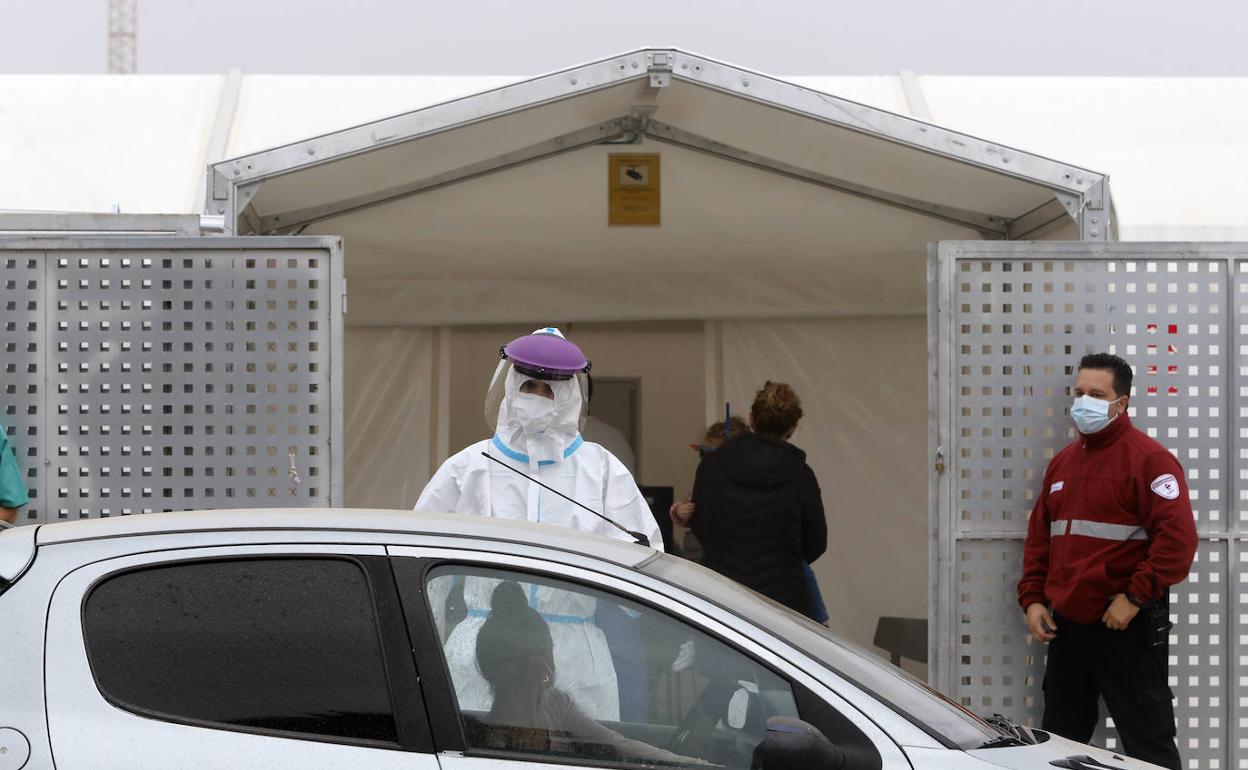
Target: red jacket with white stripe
1113,516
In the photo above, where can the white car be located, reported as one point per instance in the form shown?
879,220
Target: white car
338,638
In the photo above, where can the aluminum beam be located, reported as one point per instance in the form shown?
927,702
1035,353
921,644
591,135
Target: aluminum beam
89,223
437,118
989,226
1037,219
607,131
889,126
1094,221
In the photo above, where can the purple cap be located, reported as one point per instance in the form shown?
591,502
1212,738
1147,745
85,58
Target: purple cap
545,356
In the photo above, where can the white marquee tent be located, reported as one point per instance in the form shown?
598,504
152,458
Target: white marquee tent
796,214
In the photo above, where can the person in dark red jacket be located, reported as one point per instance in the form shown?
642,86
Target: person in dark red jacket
1111,531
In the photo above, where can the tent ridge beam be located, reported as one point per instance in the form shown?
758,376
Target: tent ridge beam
987,225
595,134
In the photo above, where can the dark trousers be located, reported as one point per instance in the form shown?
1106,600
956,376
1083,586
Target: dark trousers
1126,668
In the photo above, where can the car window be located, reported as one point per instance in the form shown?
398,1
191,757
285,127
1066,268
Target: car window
270,645
543,666
934,712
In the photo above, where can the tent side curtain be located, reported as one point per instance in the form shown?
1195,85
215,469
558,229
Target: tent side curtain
390,401
863,388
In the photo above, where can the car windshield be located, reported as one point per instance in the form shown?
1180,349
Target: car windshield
932,711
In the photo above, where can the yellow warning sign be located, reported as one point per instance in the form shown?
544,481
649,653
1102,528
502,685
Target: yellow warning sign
633,190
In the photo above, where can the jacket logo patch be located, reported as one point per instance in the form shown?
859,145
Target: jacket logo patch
1166,485
1057,486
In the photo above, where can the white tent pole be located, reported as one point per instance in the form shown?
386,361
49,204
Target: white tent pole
222,126
916,101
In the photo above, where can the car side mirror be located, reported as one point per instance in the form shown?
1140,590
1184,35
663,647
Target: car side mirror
791,744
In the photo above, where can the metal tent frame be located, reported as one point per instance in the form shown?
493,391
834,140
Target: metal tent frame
1073,195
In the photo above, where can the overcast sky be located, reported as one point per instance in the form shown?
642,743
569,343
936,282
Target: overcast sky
519,37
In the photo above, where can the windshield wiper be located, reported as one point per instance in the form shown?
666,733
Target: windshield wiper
1004,742
1012,733
1082,762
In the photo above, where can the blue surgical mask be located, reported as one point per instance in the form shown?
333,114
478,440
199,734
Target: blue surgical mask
1091,415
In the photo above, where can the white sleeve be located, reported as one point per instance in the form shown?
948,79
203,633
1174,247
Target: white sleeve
625,504
441,494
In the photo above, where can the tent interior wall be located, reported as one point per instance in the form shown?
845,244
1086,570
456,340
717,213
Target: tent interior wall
863,382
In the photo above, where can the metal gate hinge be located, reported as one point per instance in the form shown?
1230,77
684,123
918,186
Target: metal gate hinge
344,296
940,460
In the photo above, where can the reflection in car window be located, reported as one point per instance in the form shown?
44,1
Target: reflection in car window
550,667
283,645
932,710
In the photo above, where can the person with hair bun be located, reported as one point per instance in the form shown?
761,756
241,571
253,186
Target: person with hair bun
759,511
515,655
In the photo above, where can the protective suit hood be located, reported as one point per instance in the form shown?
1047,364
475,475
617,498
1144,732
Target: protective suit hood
533,429
537,427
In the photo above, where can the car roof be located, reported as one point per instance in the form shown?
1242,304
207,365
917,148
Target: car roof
347,520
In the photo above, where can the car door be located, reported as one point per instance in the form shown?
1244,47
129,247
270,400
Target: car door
243,656
525,660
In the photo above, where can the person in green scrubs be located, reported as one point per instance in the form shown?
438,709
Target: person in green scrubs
12,489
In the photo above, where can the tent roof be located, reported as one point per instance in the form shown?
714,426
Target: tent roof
674,99
87,142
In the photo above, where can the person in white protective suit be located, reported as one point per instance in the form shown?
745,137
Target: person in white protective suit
536,406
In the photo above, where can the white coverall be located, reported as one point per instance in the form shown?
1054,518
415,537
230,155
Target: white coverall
470,484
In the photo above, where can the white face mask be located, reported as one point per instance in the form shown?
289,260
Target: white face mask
534,413
1091,415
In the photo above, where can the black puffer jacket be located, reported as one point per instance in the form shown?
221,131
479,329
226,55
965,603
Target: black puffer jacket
759,516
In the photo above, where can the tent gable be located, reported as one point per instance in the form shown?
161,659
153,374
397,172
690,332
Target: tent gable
674,97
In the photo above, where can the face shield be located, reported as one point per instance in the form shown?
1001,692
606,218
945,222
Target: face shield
540,363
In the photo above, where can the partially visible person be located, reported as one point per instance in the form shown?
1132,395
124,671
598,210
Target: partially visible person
528,710
535,405
681,512
1111,531
606,435
758,511
13,493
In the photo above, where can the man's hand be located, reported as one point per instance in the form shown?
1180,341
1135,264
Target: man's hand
1120,613
682,513
8,515
1040,622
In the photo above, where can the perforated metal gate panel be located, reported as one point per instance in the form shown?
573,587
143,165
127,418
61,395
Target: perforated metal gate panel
1010,324
155,374
22,387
